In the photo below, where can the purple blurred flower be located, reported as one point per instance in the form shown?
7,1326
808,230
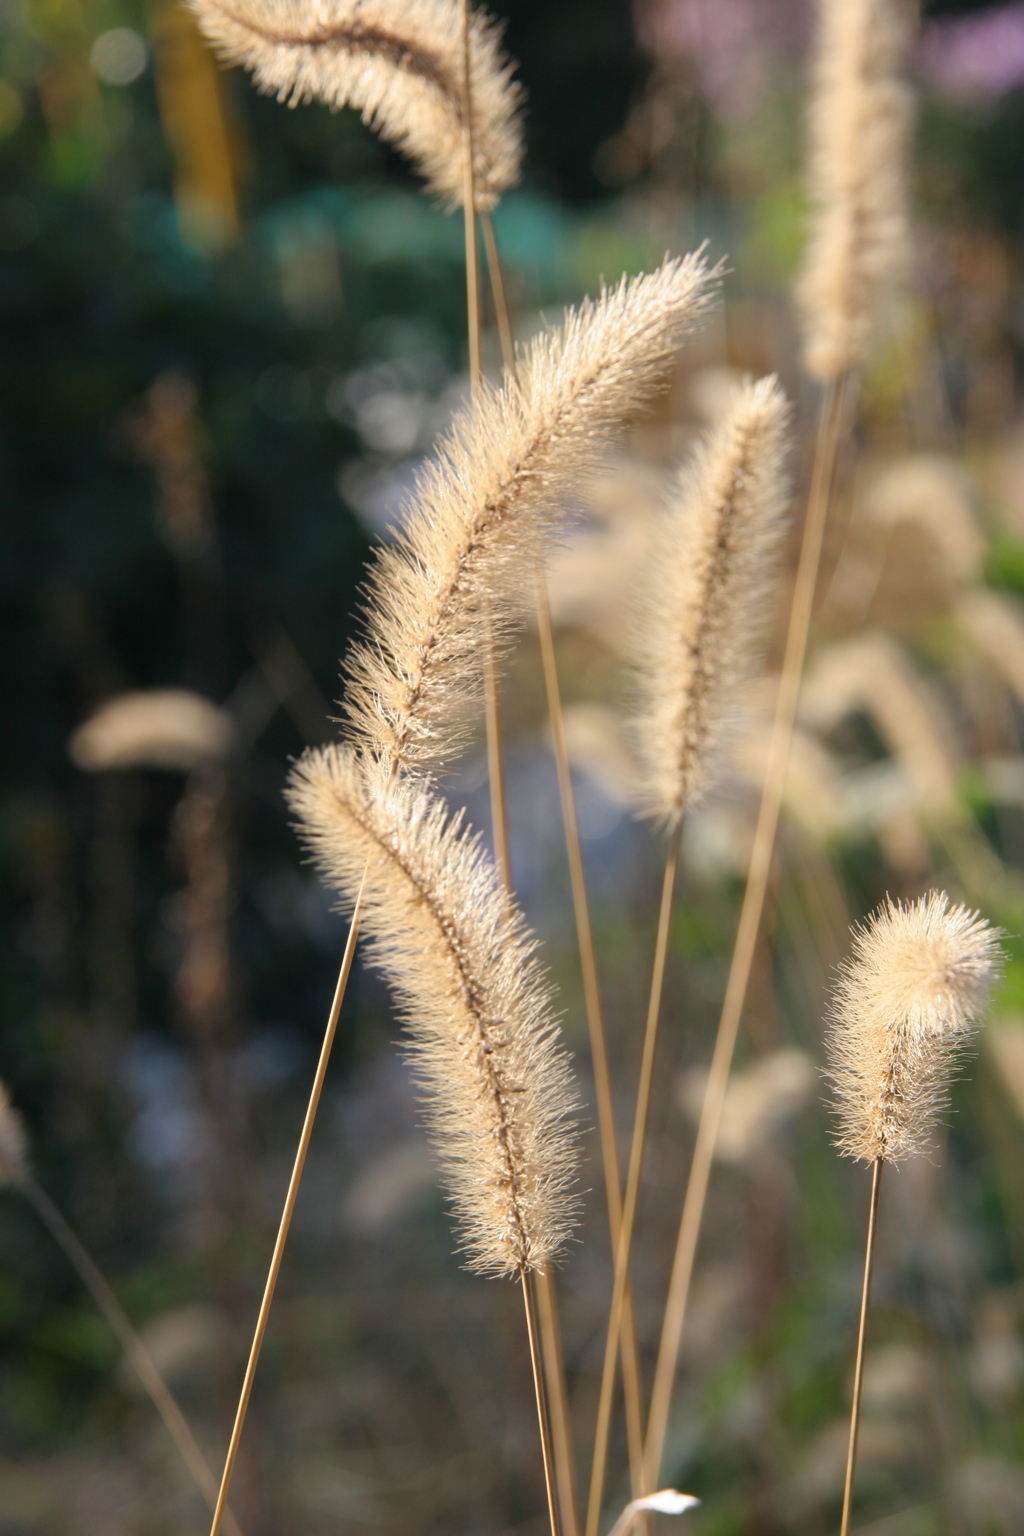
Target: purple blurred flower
733,44
981,56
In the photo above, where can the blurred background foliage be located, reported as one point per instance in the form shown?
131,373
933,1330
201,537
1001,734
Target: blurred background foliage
228,333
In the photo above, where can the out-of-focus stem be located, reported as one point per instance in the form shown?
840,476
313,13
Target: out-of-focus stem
830,420
862,1329
595,1025
636,1153
287,1212
508,352
138,1355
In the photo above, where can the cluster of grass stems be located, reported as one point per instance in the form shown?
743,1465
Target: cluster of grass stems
444,601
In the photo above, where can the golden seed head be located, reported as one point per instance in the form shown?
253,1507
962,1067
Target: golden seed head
907,1003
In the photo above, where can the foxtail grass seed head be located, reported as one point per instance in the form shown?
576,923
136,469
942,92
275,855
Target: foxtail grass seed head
907,1003
13,1142
860,121
153,728
706,597
400,64
498,1092
460,574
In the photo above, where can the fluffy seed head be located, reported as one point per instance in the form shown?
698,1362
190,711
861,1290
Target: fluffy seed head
399,63
705,598
497,1086
13,1142
906,1004
859,127
462,569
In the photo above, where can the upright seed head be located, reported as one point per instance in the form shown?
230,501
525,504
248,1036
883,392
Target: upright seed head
498,1092
705,599
907,1003
460,575
399,63
13,1142
859,127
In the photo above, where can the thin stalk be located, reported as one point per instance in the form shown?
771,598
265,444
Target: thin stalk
508,351
286,1214
558,1402
858,1372
830,420
595,1025
547,1302
636,1155
542,1411
137,1354
496,764
469,209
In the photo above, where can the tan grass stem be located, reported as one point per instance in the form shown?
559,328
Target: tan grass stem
831,417
596,1030
636,1152
286,1215
558,1401
469,207
862,1329
492,705
135,1350
501,314
529,1302
546,1293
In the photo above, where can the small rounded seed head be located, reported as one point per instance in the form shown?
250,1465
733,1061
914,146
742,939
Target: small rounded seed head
906,1004
13,1142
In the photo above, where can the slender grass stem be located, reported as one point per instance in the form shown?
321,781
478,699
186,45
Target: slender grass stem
595,1024
287,1212
499,811
138,1355
558,1402
862,1329
547,1299
604,1411
501,314
832,413
529,1302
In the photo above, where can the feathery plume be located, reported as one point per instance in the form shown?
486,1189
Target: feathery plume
705,600
906,1004
13,1142
397,62
462,569
476,1005
859,129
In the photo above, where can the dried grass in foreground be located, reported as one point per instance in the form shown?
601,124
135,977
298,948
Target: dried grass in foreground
464,562
498,1092
397,62
907,1004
